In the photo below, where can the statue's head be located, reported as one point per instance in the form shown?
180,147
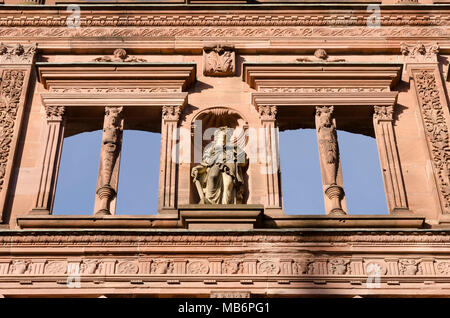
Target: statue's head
321,54
120,53
324,113
222,135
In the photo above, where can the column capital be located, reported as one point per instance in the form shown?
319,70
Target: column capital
267,112
419,52
17,54
55,113
171,112
383,113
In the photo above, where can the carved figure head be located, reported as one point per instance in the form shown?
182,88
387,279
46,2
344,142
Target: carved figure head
120,54
321,54
325,119
18,49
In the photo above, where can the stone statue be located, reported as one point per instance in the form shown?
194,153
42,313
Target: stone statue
219,178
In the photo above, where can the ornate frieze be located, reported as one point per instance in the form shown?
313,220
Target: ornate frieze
237,19
284,89
103,90
17,54
11,90
436,130
214,32
219,60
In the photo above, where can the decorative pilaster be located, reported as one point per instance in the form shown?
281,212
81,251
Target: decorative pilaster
15,69
50,160
168,164
108,177
329,160
422,68
271,157
389,160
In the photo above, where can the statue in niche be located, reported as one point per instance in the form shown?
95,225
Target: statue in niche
219,179
329,156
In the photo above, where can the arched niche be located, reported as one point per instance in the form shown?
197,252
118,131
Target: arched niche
203,126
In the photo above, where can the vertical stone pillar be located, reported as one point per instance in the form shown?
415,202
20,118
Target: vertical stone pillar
50,160
269,146
389,160
168,164
330,163
15,69
422,68
108,175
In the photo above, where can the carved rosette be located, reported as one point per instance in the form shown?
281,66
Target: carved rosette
17,54
420,53
218,60
383,113
11,88
436,130
111,145
171,112
267,112
55,113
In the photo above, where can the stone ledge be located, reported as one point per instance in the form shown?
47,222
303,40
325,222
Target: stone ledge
221,217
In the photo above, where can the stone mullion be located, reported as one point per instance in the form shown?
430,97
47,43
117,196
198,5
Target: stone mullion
168,165
330,166
108,175
389,159
50,160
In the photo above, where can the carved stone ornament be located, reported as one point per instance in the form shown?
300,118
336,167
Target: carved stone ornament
443,268
269,268
11,87
436,130
267,112
120,55
408,266
218,60
111,145
338,266
419,53
55,113
320,55
171,112
56,268
383,113
127,267
91,266
198,267
162,267
17,54
329,156
19,267
232,267
301,266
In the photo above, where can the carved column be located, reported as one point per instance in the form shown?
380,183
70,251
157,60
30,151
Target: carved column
271,156
330,163
389,160
15,69
108,176
169,158
422,67
50,160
